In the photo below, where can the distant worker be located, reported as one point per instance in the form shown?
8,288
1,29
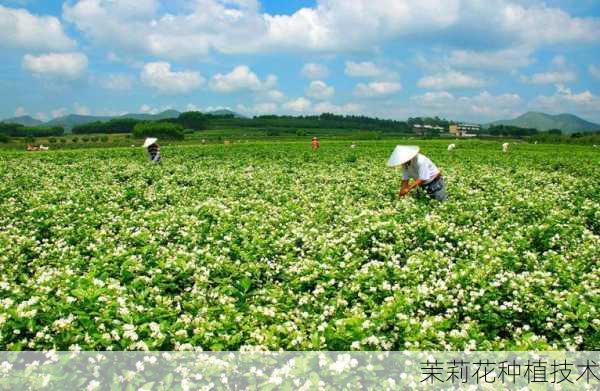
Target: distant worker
505,147
153,149
43,148
315,144
419,168
451,147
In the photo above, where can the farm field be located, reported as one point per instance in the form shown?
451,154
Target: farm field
267,246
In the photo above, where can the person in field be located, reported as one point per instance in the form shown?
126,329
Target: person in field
315,144
420,169
153,149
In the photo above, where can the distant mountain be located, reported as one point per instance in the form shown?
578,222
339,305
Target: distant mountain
225,112
72,120
25,120
153,117
568,123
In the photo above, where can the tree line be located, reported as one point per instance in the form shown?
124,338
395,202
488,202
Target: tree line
18,130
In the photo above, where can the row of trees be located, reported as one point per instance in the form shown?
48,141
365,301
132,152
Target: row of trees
18,130
511,131
163,130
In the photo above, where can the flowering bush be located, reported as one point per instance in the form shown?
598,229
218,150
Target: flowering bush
254,247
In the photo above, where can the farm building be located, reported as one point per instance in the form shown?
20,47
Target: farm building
465,130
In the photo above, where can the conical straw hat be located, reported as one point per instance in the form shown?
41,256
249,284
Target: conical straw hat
149,141
402,154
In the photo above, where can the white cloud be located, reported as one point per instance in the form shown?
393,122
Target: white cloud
117,82
206,26
259,108
450,80
512,58
584,103
559,77
299,105
20,111
192,107
483,106
81,109
315,71
377,89
319,90
241,78
274,95
147,109
23,30
594,71
41,116
363,69
58,112
328,107
66,66
559,61
158,75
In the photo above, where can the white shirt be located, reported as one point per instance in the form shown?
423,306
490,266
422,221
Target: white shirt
420,168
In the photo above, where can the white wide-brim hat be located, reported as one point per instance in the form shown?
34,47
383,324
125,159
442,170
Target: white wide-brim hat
402,154
149,141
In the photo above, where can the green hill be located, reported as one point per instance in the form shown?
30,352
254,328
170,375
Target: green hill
568,123
24,120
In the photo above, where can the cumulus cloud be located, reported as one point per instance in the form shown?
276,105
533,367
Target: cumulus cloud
330,25
565,100
594,70
319,90
23,30
483,106
363,69
315,71
259,108
241,78
60,112
67,66
505,59
299,105
80,109
117,82
450,80
147,109
20,111
328,107
274,95
376,89
551,77
158,75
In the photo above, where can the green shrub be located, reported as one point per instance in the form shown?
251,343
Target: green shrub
104,139
94,139
52,140
301,133
4,138
62,140
162,130
75,139
84,139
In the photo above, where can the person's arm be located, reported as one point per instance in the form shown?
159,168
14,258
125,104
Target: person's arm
416,183
404,189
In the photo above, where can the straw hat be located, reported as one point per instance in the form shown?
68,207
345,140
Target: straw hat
149,141
402,154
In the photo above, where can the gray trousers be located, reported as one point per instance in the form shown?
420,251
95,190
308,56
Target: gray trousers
437,189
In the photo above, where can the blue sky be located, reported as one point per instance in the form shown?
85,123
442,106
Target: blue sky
467,60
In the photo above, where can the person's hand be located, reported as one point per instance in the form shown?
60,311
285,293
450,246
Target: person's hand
402,192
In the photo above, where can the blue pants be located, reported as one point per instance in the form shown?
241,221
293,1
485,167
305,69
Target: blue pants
436,189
